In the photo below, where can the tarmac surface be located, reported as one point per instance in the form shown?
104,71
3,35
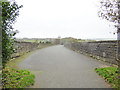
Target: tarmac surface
59,67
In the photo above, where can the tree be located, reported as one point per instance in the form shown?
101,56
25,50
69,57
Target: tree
10,11
110,10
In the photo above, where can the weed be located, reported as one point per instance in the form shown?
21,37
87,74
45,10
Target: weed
110,74
12,78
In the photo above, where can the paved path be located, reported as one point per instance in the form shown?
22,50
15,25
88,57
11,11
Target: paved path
59,67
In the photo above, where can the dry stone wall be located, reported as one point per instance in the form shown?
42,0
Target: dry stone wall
21,48
102,50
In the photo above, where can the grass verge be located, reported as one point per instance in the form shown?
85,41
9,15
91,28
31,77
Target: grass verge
13,63
110,74
13,78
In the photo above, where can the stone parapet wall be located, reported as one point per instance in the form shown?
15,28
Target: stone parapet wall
104,50
21,48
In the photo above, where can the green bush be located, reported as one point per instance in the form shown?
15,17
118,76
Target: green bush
110,74
11,78
10,12
17,78
40,42
48,42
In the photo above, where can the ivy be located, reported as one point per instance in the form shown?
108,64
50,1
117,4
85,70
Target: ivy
10,11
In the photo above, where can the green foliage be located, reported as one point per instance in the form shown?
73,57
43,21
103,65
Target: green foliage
111,74
109,10
48,42
10,11
3,0
11,78
40,42
17,78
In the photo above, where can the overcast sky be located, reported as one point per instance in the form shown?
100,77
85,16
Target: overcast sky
65,18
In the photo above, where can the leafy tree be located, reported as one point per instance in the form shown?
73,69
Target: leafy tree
10,11
110,10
